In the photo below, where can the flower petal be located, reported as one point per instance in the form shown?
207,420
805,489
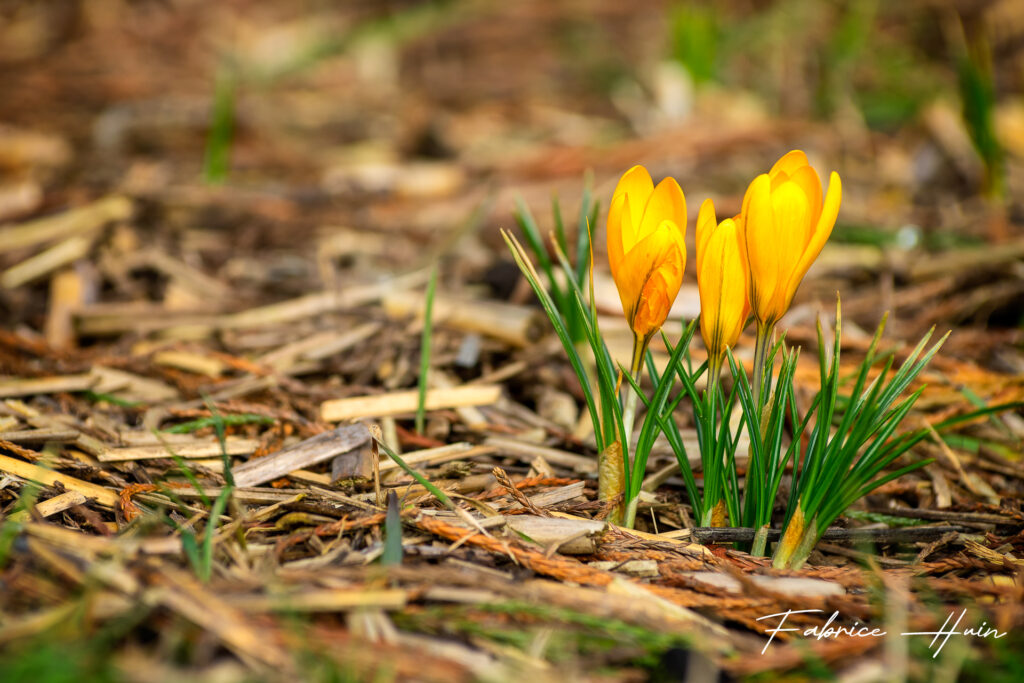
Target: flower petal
761,244
789,163
666,203
636,183
792,233
660,256
722,284
822,231
706,223
618,213
808,180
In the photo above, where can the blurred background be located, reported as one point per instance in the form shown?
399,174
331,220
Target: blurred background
283,148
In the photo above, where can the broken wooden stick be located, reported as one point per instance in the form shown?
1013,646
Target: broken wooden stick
309,452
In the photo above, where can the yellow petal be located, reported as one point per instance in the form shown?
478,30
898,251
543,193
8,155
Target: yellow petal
666,203
792,233
822,230
807,179
655,303
789,163
635,183
618,213
660,257
706,223
722,283
761,246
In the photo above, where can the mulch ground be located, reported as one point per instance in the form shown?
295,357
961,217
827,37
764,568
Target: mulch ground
165,339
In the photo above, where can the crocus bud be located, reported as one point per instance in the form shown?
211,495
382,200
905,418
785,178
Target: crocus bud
646,248
721,280
785,226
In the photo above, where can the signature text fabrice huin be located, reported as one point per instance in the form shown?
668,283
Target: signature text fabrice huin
832,630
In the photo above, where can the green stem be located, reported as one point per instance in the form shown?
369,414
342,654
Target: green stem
807,543
709,450
628,417
760,542
761,345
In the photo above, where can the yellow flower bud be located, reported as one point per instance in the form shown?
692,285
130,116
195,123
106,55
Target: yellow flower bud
646,248
721,280
785,226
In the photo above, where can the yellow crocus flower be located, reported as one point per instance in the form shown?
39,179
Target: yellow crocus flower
722,282
785,225
646,248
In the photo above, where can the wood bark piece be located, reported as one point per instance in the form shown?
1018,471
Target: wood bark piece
794,586
197,449
321,601
516,325
403,402
132,387
309,452
567,536
27,470
67,294
578,463
356,464
41,435
46,385
436,456
197,363
319,303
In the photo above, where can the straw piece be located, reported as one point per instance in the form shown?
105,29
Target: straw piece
45,262
46,385
27,470
53,505
401,402
198,449
78,220
183,594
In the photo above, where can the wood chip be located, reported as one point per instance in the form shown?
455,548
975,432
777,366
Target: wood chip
309,452
197,363
567,536
52,506
404,402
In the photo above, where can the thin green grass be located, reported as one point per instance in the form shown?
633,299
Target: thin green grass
428,315
420,479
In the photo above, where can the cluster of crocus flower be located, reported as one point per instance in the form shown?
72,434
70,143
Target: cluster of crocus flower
751,263
748,266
